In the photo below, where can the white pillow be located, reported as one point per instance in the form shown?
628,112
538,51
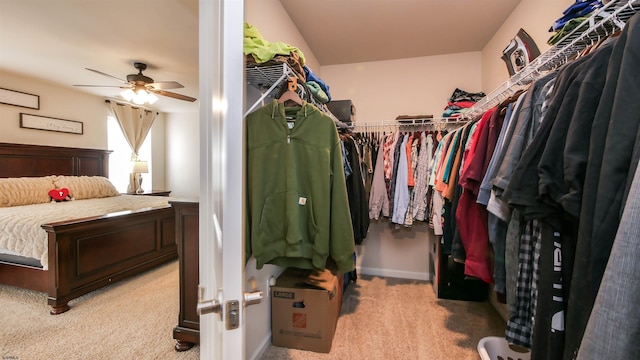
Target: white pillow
25,190
86,187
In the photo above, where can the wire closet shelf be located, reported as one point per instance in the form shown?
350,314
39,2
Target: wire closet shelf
602,22
267,77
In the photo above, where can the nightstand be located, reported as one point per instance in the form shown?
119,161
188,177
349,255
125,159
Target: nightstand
152,193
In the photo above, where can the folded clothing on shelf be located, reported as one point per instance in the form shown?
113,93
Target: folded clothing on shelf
578,9
459,101
461,95
566,29
413,117
311,76
317,92
264,50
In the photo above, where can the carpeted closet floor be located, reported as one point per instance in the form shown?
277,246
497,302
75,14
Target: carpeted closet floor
388,318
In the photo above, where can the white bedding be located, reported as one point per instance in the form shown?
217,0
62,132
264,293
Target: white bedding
20,231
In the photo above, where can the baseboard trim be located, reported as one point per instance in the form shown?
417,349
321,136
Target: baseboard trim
413,275
501,309
262,348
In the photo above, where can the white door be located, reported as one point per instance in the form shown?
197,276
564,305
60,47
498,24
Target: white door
221,196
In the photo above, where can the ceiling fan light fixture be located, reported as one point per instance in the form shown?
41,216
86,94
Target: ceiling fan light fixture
140,97
128,94
151,98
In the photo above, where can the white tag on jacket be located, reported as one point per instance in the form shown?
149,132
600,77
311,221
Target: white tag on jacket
302,201
290,124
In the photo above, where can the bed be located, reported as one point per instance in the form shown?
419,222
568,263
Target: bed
87,253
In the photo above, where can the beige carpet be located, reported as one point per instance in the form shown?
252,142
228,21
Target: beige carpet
386,318
133,319
382,318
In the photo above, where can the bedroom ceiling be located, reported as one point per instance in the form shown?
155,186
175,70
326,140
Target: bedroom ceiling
57,40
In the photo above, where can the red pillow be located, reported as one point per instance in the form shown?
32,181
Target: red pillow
59,194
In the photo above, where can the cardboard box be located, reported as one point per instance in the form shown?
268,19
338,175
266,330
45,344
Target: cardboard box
305,306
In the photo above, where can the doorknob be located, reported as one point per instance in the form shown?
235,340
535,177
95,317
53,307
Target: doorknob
207,306
254,296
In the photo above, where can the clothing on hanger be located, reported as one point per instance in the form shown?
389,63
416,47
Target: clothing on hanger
296,190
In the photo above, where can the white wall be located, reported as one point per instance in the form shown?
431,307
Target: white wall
382,90
58,102
396,251
158,153
535,17
182,151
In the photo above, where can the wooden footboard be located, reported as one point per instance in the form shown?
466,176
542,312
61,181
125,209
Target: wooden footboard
90,253
86,254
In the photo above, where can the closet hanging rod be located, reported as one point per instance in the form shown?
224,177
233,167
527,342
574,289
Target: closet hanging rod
613,14
409,125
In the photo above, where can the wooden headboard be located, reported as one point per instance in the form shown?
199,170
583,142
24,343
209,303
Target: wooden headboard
17,160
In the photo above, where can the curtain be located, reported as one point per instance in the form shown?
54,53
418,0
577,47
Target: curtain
135,123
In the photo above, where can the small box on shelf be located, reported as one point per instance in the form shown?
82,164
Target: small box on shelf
344,110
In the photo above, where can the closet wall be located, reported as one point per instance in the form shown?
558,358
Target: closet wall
384,89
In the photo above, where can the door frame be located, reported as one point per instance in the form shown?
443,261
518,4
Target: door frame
221,27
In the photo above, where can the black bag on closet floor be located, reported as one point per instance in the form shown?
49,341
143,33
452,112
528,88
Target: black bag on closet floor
455,285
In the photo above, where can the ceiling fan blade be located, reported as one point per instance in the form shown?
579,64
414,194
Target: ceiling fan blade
172,95
166,85
118,86
107,75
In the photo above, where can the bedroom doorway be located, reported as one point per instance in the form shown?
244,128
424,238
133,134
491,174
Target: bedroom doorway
221,176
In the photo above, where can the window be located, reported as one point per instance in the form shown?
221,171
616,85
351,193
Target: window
120,158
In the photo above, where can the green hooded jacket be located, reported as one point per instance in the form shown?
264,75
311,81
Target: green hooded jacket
298,209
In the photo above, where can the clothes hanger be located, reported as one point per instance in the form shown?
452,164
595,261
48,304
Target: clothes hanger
290,94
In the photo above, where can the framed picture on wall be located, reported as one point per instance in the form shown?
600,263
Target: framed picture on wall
18,98
50,124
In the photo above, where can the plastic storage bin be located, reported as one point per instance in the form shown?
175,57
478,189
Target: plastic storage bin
497,348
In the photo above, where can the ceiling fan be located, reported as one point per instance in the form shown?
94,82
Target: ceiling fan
139,84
